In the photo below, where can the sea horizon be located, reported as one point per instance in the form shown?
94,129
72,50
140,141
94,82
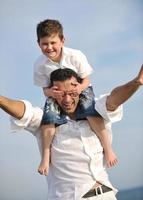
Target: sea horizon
131,194
127,194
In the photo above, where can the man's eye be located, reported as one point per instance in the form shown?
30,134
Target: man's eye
75,94
72,94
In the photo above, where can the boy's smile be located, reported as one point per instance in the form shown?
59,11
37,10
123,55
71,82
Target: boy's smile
51,46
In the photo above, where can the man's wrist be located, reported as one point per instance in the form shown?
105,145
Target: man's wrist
1,100
137,82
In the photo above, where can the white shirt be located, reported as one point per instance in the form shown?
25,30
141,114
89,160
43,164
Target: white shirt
76,152
71,58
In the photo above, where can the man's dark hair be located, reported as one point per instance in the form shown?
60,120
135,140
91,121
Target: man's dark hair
63,75
49,27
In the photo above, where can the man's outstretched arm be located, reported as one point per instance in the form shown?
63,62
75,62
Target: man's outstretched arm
122,93
12,107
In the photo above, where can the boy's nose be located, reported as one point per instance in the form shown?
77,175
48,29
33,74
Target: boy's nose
49,46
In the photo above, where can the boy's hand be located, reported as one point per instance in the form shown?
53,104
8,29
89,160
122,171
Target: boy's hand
78,89
55,93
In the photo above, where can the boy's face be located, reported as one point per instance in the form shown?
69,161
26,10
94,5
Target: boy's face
52,47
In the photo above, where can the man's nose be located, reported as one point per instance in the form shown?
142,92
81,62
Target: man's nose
67,97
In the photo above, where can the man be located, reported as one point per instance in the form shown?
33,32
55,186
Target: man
76,169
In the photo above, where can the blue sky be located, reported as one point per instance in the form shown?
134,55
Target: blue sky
110,33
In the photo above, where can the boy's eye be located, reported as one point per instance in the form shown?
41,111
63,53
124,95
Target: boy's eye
44,44
53,42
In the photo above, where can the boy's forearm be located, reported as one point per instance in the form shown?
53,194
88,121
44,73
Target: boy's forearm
12,107
47,91
85,83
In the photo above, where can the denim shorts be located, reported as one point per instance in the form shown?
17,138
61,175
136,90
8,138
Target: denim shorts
53,113
86,107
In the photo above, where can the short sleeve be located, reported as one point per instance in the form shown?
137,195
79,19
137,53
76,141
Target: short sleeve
40,77
85,68
110,116
40,72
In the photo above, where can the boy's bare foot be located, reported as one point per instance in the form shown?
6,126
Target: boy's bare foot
44,167
111,158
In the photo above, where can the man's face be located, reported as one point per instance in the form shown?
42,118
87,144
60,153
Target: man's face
69,98
52,47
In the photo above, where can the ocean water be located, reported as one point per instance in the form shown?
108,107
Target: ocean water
131,194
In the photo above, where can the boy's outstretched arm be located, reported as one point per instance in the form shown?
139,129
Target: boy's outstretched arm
12,107
122,93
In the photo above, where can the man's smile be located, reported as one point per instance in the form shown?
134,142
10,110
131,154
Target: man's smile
68,106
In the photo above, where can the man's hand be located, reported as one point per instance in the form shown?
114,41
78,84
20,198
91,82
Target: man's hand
139,78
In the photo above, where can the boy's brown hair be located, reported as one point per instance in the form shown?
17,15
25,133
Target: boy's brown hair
49,27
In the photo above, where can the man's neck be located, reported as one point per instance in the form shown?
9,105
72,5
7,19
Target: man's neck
72,116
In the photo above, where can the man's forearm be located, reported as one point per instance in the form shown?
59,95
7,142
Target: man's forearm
12,107
122,93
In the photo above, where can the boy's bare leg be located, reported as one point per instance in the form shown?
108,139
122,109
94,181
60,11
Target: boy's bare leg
12,107
122,93
47,134
97,125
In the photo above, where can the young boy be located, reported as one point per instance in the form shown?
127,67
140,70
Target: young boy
51,42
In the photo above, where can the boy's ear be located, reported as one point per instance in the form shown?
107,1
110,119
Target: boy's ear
63,40
38,43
